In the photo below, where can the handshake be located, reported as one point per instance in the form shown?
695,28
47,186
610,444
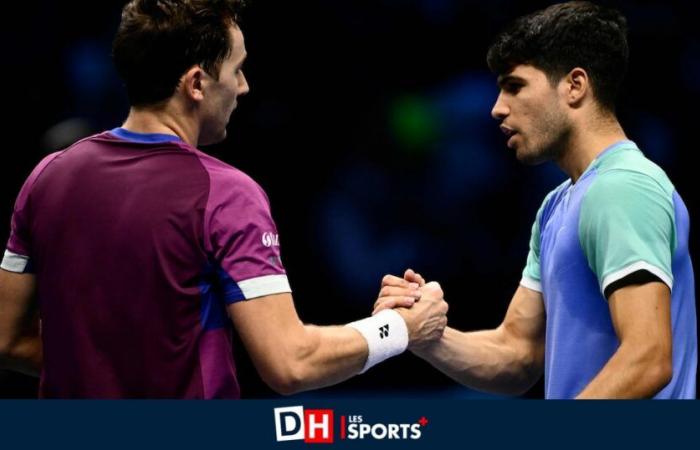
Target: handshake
420,304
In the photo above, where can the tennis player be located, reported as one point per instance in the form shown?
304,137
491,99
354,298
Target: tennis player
139,252
606,304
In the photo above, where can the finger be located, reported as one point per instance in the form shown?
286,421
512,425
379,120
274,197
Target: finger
418,278
393,302
411,275
392,280
390,291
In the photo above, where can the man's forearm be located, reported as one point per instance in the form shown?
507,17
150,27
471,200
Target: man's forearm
630,373
324,356
484,360
292,357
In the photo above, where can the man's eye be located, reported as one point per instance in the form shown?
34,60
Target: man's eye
513,88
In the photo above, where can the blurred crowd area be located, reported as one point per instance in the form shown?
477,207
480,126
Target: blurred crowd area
368,124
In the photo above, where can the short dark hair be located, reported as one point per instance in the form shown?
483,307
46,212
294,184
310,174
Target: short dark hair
564,36
159,40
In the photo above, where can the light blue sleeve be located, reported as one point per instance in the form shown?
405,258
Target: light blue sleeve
627,224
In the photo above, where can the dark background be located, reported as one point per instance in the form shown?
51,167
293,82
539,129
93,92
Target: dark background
368,124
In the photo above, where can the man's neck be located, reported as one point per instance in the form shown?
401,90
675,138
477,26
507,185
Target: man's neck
586,143
163,121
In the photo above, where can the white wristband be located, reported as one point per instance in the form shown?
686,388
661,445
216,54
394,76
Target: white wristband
386,334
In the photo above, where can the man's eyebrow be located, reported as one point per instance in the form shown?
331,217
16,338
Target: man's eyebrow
505,79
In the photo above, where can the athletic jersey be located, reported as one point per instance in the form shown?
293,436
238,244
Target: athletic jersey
619,223
138,243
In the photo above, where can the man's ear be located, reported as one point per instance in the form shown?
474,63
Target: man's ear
577,86
192,83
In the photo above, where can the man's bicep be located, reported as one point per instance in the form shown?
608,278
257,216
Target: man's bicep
275,314
266,325
641,314
18,309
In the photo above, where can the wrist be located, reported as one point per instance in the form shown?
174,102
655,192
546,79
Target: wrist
386,334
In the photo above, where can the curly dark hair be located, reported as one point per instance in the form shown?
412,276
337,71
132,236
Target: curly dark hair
565,36
159,40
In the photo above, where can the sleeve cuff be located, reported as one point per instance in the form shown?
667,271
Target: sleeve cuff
265,285
531,284
635,267
12,262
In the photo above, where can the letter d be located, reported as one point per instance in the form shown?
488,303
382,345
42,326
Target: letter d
289,423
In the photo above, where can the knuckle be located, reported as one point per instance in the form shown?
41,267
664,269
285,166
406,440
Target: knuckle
434,287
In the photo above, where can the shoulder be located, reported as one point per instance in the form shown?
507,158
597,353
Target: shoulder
233,195
627,188
226,181
628,191
36,173
630,170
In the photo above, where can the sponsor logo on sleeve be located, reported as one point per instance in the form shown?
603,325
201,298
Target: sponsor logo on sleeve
271,239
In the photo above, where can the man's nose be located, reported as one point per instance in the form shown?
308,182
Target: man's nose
244,87
500,110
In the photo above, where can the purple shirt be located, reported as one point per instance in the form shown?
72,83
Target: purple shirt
138,243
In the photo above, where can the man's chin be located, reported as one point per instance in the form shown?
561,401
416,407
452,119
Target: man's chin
530,158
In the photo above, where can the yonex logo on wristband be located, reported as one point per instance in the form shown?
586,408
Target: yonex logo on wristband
382,345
